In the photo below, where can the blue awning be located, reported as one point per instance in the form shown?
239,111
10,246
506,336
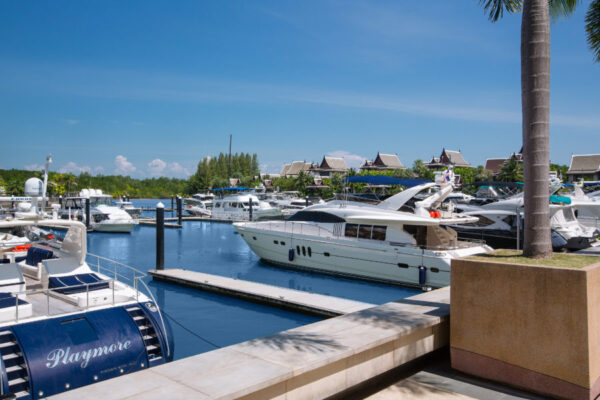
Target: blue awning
231,188
385,180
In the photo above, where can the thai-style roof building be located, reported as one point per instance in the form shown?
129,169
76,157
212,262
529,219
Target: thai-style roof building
293,169
495,164
585,166
330,166
383,162
448,158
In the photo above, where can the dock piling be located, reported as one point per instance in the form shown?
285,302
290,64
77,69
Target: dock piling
160,236
87,213
179,206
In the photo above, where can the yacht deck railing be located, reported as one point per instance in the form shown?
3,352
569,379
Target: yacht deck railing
133,277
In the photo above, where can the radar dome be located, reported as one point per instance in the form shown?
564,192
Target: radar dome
34,187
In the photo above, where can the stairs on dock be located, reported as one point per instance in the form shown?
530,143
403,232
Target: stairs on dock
151,341
12,355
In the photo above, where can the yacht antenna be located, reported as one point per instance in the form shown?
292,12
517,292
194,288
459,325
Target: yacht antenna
45,187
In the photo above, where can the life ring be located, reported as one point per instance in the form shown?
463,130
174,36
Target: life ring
21,247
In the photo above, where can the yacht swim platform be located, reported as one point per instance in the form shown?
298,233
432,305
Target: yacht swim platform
296,300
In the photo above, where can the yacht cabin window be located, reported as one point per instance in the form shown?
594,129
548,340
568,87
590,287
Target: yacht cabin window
374,232
364,231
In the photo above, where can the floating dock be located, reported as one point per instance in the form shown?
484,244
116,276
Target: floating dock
295,300
314,361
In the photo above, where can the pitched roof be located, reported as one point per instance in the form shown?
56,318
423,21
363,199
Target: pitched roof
455,157
284,170
296,167
494,164
388,160
587,163
334,163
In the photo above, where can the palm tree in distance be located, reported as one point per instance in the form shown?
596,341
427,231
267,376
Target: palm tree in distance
535,102
592,27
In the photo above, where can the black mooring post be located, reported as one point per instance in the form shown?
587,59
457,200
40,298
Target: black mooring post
160,236
87,213
172,203
60,200
306,201
179,201
250,211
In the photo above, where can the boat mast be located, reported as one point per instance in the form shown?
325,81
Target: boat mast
45,186
229,160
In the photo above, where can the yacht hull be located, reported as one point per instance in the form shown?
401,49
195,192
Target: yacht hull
397,265
125,227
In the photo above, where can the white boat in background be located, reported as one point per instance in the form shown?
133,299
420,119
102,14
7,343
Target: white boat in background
372,242
128,207
243,207
199,204
586,206
104,217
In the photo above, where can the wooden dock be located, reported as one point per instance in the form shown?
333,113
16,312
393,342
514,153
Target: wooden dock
291,299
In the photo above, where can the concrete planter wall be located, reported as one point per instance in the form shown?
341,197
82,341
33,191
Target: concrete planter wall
527,326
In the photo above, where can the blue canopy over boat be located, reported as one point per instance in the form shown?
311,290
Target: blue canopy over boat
231,188
385,180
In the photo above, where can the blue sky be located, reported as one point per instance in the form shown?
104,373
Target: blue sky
149,88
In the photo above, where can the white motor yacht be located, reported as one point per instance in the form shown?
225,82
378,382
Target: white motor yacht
243,207
497,221
65,319
199,204
372,242
104,217
128,207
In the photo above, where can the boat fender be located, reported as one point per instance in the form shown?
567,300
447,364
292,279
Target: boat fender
422,275
291,255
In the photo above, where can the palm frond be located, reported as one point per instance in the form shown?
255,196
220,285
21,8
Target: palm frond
496,8
592,27
562,8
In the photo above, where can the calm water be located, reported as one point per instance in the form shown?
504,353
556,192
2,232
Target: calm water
204,318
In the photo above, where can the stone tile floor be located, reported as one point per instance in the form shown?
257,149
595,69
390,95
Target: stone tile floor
431,377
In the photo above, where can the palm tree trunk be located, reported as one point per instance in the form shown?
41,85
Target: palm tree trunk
535,93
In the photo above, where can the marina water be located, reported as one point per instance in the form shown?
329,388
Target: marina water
203,321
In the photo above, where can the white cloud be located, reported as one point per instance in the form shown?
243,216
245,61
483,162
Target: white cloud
157,167
179,170
73,168
352,160
122,166
34,167
99,169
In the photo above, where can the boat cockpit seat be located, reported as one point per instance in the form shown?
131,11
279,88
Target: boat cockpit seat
71,284
11,278
13,308
9,300
35,255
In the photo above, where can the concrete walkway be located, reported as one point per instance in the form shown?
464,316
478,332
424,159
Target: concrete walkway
297,300
314,361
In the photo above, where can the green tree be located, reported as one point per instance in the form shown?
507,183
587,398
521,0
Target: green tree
511,171
592,22
535,101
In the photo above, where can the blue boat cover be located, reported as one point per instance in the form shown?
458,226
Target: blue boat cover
560,199
71,284
36,255
385,180
9,300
